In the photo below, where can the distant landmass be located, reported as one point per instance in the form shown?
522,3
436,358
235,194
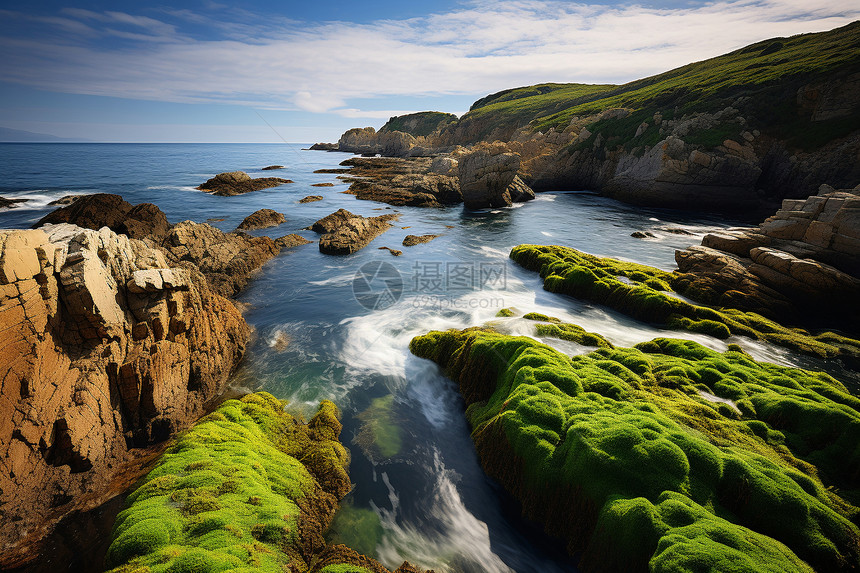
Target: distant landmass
8,135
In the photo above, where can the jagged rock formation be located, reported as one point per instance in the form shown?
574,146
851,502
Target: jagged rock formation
226,259
367,141
324,147
261,219
106,347
667,456
488,177
803,262
344,232
399,181
238,182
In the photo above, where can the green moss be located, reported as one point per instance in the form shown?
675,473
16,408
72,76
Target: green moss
767,82
419,124
652,473
379,436
629,288
505,313
227,494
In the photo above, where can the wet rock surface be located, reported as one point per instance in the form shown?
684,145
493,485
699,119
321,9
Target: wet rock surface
239,182
804,261
261,219
401,181
488,177
11,203
343,232
412,240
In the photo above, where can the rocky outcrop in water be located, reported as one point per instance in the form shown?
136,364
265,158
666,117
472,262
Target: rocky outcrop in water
802,262
272,167
11,203
261,219
488,177
311,199
107,347
227,260
324,147
239,182
401,181
344,232
412,240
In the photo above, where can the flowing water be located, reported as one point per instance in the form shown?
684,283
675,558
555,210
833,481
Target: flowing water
339,327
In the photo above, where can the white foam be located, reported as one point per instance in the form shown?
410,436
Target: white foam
454,536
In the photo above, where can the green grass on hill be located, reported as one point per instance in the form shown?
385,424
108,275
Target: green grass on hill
418,124
769,72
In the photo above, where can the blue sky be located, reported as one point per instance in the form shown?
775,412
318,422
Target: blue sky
209,71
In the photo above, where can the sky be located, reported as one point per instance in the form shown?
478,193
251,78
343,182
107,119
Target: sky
271,71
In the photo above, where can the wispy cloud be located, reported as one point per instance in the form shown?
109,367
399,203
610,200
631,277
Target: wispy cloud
482,47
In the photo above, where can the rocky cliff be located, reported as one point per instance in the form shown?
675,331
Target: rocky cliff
770,121
106,347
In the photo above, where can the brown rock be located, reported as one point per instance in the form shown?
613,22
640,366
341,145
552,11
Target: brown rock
105,348
344,232
238,182
401,181
272,167
394,252
144,221
261,219
326,184
292,240
66,200
311,199
412,240
488,177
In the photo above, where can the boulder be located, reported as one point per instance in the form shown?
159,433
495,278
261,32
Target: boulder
238,182
272,167
261,219
311,199
324,147
488,177
66,200
106,348
344,232
291,240
144,221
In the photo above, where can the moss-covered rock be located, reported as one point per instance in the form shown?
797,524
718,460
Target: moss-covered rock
621,453
249,487
645,293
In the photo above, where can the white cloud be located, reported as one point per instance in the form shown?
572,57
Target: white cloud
480,48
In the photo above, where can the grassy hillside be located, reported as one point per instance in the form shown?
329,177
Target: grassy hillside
769,72
418,124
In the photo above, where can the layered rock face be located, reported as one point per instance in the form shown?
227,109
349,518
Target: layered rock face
344,232
106,347
368,141
238,182
488,177
804,260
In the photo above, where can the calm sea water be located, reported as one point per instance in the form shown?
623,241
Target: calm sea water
426,499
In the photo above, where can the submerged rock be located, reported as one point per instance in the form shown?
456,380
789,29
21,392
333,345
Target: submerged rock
272,167
344,232
412,240
311,199
11,203
238,182
326,184
618,454
261,219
